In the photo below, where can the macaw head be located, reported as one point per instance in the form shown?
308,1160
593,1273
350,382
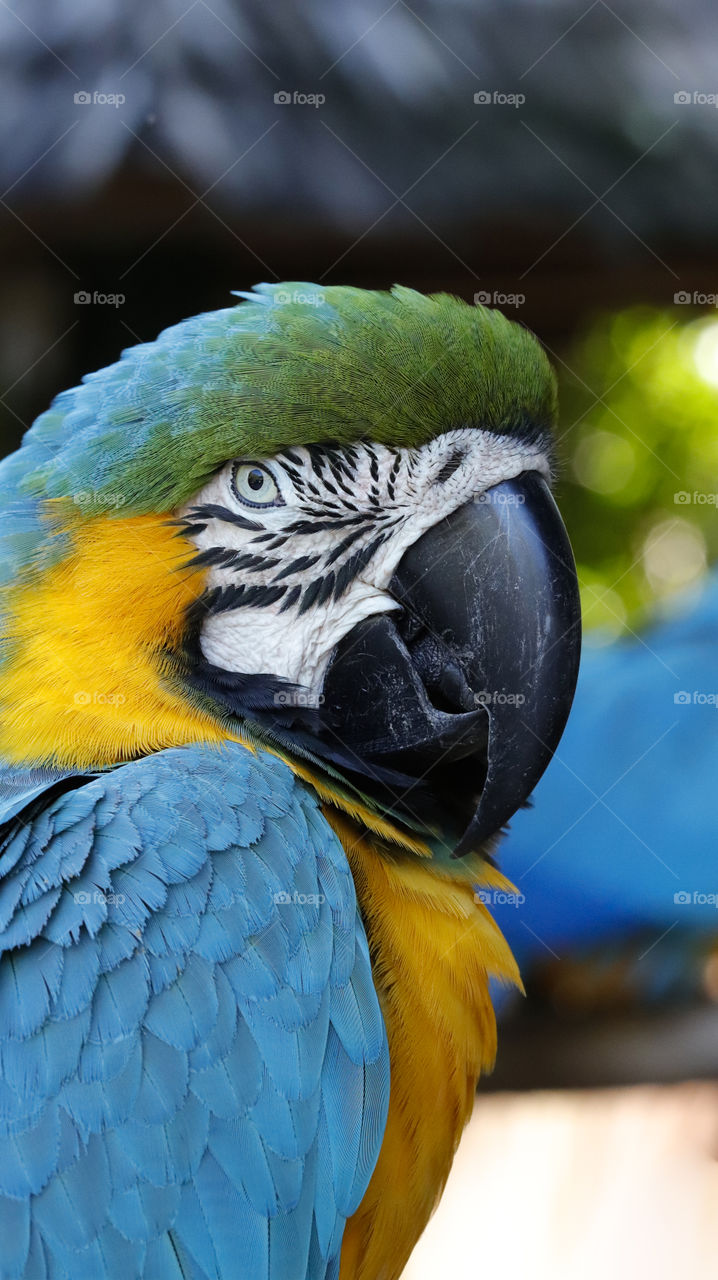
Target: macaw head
320,520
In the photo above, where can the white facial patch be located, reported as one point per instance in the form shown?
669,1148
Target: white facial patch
302,546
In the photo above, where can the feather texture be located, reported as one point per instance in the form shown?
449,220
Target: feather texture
194,1063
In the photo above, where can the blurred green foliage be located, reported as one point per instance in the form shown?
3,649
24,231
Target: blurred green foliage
639,451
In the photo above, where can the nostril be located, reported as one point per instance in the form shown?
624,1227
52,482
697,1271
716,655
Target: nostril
441,675
409,625
453,687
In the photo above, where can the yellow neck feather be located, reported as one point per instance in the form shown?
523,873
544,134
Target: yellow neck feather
433,949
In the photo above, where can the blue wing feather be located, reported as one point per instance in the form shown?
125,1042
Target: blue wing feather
194,1063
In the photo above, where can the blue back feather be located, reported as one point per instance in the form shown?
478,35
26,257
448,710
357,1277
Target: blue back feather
194,1064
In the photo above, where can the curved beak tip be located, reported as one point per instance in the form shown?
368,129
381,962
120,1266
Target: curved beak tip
532,649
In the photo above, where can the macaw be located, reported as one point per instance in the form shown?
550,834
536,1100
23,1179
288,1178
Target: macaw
291,628
615,860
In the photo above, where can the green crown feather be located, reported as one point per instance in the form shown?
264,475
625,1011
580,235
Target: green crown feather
293,364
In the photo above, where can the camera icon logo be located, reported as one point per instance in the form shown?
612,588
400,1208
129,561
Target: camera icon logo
83,97
482,298
682,298
682,897
682,698
482,97
82,297
282,97
682,97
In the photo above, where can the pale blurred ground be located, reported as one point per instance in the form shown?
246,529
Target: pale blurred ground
619,1183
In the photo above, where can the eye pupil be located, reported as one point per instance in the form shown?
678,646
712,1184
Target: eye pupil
255,479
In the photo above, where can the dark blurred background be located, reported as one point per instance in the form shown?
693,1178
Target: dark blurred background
557,160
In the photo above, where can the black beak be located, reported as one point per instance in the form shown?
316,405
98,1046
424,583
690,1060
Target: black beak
466,693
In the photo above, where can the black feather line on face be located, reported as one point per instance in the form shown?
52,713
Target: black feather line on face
213,511
293,474
253,563
452,464
339,478
346,543
355,565
319,526
310,595
349,458
226,558
238,596
214,600
185,525
292,598
296,566
316,460
391,481
275,542
219,556
259,597
326,588
320,508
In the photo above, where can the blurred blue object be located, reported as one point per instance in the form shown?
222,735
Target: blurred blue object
620,842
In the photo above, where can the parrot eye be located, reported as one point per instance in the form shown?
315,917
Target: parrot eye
255,486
